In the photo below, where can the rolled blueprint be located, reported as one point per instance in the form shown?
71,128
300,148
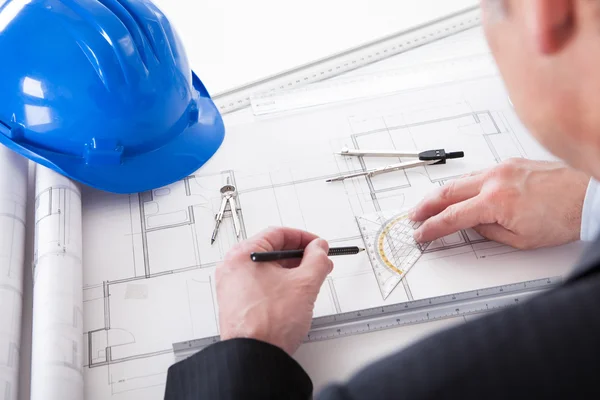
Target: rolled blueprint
13,198
57,337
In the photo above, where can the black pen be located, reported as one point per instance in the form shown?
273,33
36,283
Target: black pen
286,254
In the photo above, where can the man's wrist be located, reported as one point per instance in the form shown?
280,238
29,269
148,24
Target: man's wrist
254,331
263,338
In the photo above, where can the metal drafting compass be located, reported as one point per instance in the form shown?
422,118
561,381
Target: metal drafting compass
429,157
228,195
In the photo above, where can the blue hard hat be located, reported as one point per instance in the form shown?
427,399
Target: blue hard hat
101,91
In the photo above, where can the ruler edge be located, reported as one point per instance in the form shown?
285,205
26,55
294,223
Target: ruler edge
343,53
320,87
555,281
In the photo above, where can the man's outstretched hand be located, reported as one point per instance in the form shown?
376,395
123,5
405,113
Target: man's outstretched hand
272,302
525,204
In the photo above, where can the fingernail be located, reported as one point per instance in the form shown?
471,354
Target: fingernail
417,235
323,244
411,214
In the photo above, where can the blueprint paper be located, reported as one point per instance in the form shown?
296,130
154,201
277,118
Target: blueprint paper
149,265
13,195
57,340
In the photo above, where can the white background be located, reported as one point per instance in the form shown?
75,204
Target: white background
233,42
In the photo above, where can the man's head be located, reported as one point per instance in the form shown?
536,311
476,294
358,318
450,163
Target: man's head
548,52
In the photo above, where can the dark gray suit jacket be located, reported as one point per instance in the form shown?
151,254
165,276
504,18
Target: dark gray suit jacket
548,347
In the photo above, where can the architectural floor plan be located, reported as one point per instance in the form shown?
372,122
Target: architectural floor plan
149,264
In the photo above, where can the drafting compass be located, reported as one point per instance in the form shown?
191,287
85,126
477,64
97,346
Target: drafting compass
429,157
228,195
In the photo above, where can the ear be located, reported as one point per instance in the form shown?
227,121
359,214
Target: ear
550,22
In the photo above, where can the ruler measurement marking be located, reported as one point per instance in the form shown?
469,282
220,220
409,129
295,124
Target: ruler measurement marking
377,84
402,314
351,59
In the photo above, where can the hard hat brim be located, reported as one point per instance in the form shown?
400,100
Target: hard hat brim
174,161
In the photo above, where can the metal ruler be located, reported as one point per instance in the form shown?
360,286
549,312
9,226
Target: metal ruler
351,59
374,85
408,313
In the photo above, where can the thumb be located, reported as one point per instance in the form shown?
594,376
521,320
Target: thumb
315,262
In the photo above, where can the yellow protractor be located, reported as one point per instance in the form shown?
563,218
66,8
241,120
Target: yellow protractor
384,235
